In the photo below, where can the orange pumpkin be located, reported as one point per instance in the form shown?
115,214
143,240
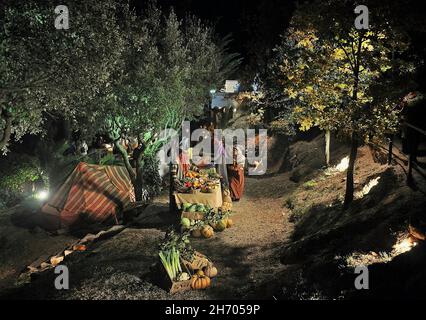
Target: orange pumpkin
207,232
200,282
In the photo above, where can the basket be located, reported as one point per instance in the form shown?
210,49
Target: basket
163,280
193,215
200,261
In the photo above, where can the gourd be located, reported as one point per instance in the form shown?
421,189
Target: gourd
221,225
183,277
210,272
196,233
229,223
207,232
200,282
185,222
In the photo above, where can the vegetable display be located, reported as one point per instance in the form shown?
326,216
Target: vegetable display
199,180
172,250
171,262
200,281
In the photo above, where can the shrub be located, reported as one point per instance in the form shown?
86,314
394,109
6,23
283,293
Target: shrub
17,178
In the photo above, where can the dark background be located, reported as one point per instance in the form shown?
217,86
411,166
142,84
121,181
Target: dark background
255,26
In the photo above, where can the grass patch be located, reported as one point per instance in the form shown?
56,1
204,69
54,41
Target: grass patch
309,185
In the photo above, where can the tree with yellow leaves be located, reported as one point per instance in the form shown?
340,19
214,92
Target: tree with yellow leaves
339,78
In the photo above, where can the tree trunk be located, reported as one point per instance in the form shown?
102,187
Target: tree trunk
349,195
327,147
127,164
390,149
410,179
7,131
139,177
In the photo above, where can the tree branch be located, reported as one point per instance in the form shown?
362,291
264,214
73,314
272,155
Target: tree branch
126,161
7,131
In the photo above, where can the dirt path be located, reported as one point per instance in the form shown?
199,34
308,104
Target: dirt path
247,255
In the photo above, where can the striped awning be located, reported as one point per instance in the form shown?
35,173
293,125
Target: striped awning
93,193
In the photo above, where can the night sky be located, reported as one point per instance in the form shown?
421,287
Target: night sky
256,26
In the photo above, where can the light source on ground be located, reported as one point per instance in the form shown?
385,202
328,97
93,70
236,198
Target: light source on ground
42,195
404,243
367,188
343,165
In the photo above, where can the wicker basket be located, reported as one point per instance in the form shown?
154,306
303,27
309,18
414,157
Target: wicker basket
200,261
163,280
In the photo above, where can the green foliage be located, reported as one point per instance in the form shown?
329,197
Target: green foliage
48,71
310,184
151,177
165,74
107,160
118,73
16,178
339,78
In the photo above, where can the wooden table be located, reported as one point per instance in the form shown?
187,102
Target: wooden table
213,199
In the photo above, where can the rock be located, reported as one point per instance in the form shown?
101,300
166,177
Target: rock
299,173
88,238
56,260
109,233
79,247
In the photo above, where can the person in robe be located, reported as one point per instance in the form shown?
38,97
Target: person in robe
219,160
236,174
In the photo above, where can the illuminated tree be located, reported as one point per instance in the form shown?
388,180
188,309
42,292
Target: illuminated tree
112,72
339,78
164,77
46,72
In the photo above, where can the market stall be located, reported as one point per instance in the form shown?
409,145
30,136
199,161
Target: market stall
199,186
201,202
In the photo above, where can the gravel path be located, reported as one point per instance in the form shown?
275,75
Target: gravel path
246,255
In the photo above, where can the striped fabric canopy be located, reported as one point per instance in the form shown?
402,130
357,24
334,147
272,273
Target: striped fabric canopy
93,193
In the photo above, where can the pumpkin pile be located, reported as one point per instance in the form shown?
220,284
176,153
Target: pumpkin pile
207,223
219,220
185,265
202,278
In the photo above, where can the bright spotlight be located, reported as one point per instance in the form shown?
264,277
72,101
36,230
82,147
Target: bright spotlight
42,195
343,165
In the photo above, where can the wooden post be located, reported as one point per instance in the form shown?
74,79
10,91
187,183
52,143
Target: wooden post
390,149
327,147
410,170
